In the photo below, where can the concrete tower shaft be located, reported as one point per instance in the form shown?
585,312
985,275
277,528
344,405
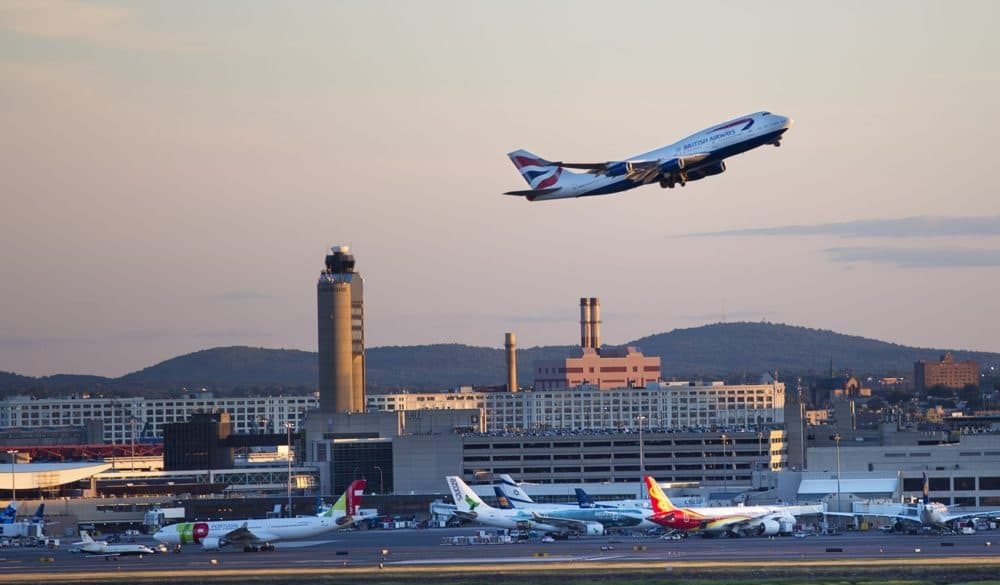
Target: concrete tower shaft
510,344
584,322
340,326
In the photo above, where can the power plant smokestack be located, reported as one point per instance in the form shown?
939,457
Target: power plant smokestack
584,322
595,323
510,343
341,341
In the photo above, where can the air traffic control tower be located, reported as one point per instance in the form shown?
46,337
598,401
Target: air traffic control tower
341,324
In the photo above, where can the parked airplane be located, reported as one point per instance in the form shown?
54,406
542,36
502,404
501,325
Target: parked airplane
570,515
690,159
729,520
257,535
923,513
100,548
469,506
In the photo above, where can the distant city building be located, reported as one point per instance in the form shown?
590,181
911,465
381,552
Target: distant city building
825,390
946,372
198,443
667,405
125,419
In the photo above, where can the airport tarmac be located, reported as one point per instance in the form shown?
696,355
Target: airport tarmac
421,549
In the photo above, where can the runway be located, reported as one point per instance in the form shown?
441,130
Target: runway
420,551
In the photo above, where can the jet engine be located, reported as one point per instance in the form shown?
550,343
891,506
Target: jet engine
210,544
706,171
616,169
768,528
595,529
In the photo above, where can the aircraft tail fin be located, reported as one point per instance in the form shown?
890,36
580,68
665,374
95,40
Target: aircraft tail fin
8,514
349,501
538,172
85,537
510,488
927,489
466,500
503,502
661,503
583,499
39,516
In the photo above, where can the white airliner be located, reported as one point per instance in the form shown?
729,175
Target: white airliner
470,506
101,548
690,159
729,520
923,513
257,535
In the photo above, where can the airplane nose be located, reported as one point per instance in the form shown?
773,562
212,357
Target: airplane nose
788,123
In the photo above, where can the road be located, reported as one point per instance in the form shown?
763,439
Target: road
421,550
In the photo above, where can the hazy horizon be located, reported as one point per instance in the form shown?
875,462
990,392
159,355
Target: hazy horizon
177,171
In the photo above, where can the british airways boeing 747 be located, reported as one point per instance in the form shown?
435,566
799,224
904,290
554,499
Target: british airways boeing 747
695,157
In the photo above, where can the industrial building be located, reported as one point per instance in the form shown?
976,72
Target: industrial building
605,368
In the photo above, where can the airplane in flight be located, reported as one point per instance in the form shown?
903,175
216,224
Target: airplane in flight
258,535
922,513
729,520
469,506
101,548
693,158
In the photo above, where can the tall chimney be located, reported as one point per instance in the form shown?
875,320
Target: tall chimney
510,343
595,323
584,322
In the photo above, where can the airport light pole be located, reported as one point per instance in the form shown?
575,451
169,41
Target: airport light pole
642,460
836,439
288,479
760,447
13,490
725,477
381,486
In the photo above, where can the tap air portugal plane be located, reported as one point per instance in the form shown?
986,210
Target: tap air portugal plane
690,159
730,520
257,535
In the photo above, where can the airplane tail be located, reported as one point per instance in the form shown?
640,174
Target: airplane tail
39,516
503,502
661,503
466,500
8,514
583,499
85,537
349,502
927,489
538,172
512,491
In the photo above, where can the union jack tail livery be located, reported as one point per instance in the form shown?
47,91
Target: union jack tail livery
541,174
661,503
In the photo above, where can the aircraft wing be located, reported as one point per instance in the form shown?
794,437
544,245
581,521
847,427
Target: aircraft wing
569,524
638,170
244,535
951,517
728,522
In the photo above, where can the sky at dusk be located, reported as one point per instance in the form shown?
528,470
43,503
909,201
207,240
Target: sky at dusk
174,172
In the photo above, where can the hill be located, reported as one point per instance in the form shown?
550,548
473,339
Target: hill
710,351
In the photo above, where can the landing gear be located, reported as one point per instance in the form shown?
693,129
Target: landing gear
249,548
267,548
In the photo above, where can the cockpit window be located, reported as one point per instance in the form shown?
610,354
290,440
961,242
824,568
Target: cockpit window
766,114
